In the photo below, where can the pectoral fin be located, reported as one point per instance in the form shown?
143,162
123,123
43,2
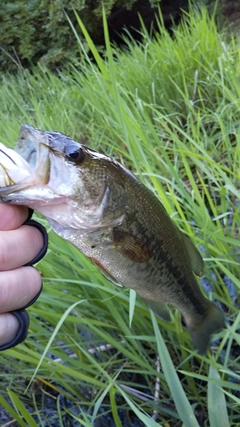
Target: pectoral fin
130,246
159,308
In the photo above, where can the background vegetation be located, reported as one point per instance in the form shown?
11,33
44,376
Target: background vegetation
169,109
38,31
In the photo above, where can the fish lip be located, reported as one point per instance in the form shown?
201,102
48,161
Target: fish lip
33,147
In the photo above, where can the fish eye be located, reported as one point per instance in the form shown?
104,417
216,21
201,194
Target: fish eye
77,155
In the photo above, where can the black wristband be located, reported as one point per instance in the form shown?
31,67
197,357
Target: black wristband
33,300
30,214
43,251
23,319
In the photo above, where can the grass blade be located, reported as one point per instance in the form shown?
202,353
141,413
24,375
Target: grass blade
217,408
181,401
149,422
20,408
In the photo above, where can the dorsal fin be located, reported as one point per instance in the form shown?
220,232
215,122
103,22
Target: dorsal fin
196,261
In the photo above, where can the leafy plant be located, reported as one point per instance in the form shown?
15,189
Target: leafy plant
168,109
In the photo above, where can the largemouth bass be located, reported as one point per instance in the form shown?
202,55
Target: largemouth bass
99,206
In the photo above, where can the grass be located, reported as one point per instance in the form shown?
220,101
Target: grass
168,109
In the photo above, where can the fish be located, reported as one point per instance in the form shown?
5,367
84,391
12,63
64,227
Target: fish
98,205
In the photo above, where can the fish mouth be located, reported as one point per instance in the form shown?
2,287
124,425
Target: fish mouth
28,165
39,173
41,177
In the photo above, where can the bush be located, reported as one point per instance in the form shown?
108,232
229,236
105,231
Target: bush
37,30
33,31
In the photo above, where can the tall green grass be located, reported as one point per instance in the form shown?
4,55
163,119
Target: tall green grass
169,109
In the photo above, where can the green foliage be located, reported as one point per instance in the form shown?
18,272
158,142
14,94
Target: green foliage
169,110
37,30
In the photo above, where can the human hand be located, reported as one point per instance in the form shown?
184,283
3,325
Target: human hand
22,243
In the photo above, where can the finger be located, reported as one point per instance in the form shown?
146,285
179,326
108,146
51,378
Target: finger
9,326
15,331
18,287
11,254
12,216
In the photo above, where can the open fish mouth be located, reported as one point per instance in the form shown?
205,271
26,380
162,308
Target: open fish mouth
13,168
26,166
39,174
